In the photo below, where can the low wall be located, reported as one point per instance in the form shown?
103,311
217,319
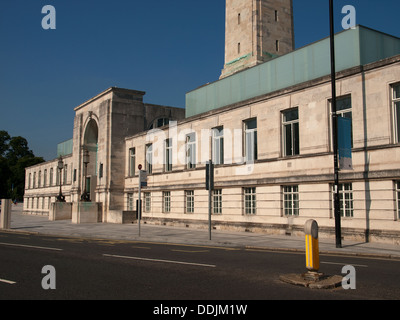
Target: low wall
86,212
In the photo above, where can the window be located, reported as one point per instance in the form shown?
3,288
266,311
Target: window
217,201
189,201
147,202
65,174
396,112
45,178
250,140
346,200
101,171
159,123
290,132
132,162
343,109
166,201
34,180
218,145
249,200
57,177
398,200
29,181
277,45
191,151
238,47
168,155
276,16
39,179
291,200
149,158
130,202
51,177
239,18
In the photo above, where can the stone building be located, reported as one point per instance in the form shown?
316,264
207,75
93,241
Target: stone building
100,128
267,127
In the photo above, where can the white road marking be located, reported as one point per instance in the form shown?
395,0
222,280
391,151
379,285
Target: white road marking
345,264
164,261
7,281
27,246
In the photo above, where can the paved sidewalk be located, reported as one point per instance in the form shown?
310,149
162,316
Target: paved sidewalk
166,234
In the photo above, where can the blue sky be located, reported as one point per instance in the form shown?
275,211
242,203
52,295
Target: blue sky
165,48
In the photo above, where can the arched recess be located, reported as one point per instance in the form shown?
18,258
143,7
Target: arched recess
90,143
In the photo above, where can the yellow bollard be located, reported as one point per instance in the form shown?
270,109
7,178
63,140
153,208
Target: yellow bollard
312,247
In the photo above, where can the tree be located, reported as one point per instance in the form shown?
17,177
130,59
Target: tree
4,138
15,156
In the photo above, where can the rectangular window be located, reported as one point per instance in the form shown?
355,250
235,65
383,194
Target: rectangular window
398,200
343,109
132,162
57,177
51,177
34,180
166,201
149,158
291,200
45,178
147,202
290,132
65,174
396,111
189,201
218,145
130,202
217,201
29,181
346,200
39,179
168,155
250,140
249,200
191,151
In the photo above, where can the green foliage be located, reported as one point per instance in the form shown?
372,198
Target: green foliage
15,156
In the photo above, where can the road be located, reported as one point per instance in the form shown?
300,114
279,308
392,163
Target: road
104,269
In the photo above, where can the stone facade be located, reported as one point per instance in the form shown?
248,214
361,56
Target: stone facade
279,192
256,31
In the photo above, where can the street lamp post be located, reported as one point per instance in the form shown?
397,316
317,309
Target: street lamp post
60,167
338,232
85,196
